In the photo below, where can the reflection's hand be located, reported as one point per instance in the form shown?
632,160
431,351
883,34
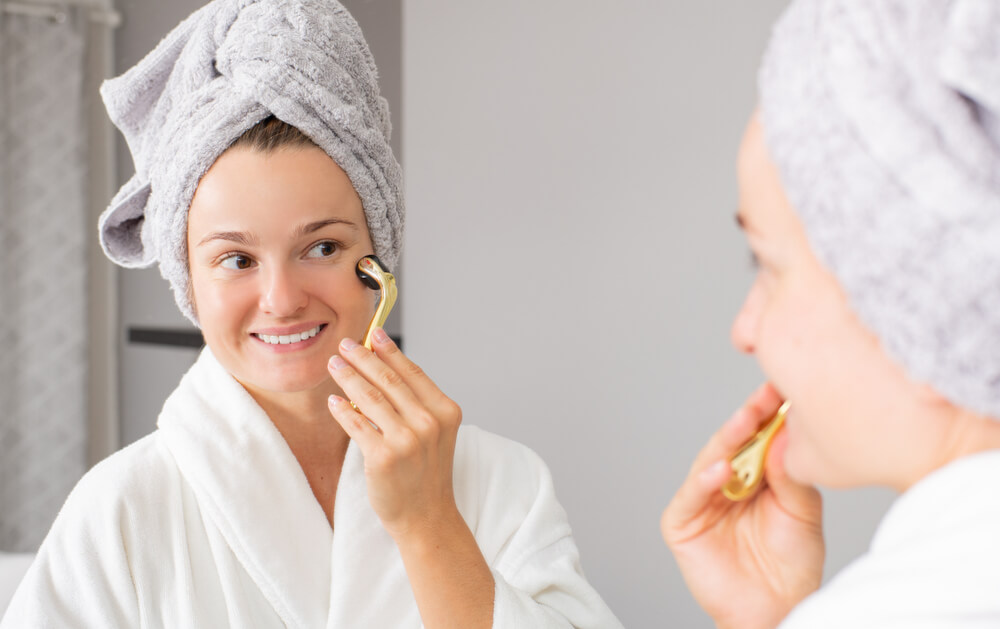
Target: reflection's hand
409,456
747,563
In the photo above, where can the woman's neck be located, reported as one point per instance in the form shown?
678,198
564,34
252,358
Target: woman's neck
303,419
315,438
962,434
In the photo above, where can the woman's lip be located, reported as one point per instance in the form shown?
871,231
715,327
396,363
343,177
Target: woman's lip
295,329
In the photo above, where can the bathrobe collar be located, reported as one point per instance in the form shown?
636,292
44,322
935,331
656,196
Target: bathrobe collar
939,504
252,488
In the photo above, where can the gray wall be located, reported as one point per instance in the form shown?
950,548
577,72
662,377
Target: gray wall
572,259
571,262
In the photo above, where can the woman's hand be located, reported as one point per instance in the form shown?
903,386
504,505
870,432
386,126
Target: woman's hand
409,442
746,563
407,436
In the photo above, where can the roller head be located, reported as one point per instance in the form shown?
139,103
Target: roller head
369,268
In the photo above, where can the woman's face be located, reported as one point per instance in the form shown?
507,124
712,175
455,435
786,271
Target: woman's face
855,417
273,240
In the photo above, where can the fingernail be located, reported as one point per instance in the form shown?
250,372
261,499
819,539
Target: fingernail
334,400
380,336
715,470
336,362
348,343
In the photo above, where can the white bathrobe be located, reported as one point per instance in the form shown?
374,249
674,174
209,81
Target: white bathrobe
210,522
934,561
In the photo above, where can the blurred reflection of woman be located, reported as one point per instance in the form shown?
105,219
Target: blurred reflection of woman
870,197
263,499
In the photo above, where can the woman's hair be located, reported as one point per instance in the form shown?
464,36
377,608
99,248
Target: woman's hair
271,134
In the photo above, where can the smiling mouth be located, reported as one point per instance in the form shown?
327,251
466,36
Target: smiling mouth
291,338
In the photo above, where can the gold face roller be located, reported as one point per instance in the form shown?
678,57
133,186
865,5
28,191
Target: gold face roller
372,274
748,462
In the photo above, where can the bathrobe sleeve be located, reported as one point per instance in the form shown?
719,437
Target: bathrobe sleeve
525,536
81,576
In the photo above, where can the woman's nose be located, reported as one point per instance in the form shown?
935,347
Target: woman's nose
744,331
282,294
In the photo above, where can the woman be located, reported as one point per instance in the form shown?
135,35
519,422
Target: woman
263,174
870,197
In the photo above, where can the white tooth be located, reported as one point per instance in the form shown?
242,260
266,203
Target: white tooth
283,339
273,340
295,338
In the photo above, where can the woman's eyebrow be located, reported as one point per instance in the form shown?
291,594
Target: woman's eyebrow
247,239
241,238
309,228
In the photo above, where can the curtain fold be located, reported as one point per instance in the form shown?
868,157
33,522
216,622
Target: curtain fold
44,231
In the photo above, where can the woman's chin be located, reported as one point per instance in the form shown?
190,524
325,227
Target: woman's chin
287,381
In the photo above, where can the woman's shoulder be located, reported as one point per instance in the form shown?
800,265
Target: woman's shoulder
488,455
135,477
506,494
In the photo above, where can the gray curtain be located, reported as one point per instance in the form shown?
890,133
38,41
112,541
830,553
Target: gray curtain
44,230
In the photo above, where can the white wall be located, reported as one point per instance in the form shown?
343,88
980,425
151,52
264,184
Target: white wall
572,259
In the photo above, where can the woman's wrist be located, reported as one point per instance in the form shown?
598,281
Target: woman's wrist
450,578
430,533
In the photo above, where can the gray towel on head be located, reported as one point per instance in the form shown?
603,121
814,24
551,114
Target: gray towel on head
225,68
883,117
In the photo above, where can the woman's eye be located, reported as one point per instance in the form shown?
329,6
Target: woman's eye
236,262
323,249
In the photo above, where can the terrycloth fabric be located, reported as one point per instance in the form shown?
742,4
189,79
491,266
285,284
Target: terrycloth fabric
210,522
934,562
883,117
228,66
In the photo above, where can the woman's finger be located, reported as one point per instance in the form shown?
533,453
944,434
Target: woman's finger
708,473
419,382
711,468
383,376
370,400
741,425
358,427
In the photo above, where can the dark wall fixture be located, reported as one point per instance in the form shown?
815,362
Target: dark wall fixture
180,337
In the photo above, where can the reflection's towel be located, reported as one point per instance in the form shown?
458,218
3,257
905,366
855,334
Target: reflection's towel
225,68
883,117
210,522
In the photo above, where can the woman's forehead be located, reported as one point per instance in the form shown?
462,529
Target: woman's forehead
286,189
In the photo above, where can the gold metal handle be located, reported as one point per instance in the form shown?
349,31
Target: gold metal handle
374,276
748,462
371,267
